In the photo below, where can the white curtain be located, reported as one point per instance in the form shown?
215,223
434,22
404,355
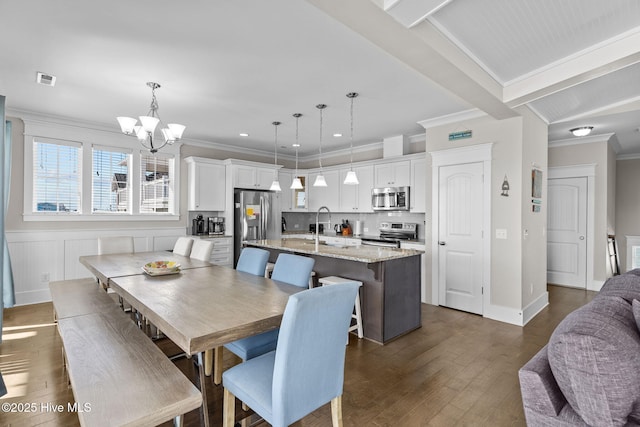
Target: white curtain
6,276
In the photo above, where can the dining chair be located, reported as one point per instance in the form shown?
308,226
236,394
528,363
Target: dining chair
306,370
253,261
183,246
290,269
201,250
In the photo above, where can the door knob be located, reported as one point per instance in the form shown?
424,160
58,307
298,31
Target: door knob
441,243
581,237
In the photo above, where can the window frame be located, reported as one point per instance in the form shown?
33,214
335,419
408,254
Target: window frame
128,153
88,138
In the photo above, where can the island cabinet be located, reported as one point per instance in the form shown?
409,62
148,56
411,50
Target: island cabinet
390,294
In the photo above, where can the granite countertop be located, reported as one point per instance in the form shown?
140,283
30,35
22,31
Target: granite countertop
357,253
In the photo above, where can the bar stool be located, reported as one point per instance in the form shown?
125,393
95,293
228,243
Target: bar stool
335,280
269,270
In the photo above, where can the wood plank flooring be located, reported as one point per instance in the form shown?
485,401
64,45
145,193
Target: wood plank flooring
458,369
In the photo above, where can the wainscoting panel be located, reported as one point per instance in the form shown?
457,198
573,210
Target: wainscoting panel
43,256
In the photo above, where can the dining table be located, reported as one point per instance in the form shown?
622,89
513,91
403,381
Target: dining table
200,308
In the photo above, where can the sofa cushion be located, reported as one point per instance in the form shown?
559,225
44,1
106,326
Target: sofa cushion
626,286
594,355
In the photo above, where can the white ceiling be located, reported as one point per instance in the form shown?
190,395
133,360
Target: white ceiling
232,66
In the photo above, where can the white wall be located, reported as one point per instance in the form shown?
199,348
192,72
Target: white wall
627,205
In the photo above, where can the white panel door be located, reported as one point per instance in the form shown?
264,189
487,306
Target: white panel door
567,231
460,237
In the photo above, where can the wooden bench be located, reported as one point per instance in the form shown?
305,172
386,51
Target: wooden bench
118,375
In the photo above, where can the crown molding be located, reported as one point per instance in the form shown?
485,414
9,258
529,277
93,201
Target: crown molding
452,118
604,137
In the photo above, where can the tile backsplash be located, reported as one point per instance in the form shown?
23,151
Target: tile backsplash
299,221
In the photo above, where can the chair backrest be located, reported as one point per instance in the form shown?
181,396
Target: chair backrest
309,361
201,249
293,269
183,246
115,245
253,261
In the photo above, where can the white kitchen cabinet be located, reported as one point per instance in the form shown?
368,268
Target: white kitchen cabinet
286,195
206,184
328,196
356,198
418,185
259,178
222,253
393,174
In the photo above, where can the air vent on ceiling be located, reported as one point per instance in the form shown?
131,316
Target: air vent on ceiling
46,79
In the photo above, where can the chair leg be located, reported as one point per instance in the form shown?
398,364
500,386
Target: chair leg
228,409
217,365
336,411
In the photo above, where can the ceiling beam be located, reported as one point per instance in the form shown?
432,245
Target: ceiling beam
413,48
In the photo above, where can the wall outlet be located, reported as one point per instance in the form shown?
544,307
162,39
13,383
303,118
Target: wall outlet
501,233
45,277
296,225
366,229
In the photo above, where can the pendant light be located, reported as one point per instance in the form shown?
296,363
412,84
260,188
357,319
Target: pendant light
320,181
275,185
296,184
351,178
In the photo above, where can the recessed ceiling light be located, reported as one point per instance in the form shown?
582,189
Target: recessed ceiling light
581,131
295,145
337,135
45,79
244,134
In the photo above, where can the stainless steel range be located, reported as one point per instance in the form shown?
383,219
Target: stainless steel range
392,233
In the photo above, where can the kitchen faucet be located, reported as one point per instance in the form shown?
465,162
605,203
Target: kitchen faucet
318,224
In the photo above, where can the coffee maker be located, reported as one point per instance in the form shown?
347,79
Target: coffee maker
215,225
198,225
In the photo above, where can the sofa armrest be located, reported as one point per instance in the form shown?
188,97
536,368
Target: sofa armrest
540,391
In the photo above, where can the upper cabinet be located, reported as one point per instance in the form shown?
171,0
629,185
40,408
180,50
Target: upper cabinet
254,177
418,185
394,174
206,184
356,198
328,196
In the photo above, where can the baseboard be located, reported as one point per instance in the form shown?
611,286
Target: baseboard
530,311
595,285
504,314
33,297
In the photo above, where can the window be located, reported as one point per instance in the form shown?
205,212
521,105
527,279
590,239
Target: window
156,183
110,189
56,176
74,173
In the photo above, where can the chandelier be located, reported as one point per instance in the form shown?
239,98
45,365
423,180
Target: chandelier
146,130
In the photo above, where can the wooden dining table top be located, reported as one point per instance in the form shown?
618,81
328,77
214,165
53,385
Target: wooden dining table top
203,308
105,267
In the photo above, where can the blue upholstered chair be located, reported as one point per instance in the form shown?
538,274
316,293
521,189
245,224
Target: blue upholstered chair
306,370
291,269
253,261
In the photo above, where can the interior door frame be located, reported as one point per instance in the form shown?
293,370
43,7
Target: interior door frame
480,153
583,171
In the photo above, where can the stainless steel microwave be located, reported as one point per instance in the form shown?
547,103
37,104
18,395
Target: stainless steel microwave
390,199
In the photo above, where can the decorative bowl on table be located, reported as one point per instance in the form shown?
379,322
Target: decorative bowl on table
157,268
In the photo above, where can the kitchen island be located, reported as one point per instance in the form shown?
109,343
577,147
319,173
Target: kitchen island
390,294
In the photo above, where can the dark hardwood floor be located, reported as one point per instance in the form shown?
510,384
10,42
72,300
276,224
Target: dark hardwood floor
458,369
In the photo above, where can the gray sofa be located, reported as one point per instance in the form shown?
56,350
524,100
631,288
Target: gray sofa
589,372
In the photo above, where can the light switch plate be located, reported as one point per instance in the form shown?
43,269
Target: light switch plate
501,233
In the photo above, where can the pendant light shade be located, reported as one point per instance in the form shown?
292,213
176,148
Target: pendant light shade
320,181
275,185
296,184
351,178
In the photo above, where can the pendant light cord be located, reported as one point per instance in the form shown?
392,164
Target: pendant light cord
320,107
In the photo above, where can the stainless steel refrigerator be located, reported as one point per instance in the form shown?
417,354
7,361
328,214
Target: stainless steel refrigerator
255,218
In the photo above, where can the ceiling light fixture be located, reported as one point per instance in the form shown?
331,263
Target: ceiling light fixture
581,131
146,130
275,185
351,178
296,184
320,181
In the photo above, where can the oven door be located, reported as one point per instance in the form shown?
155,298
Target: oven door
381,242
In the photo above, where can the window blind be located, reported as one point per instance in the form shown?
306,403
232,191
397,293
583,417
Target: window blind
110,181
156,175
56,176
